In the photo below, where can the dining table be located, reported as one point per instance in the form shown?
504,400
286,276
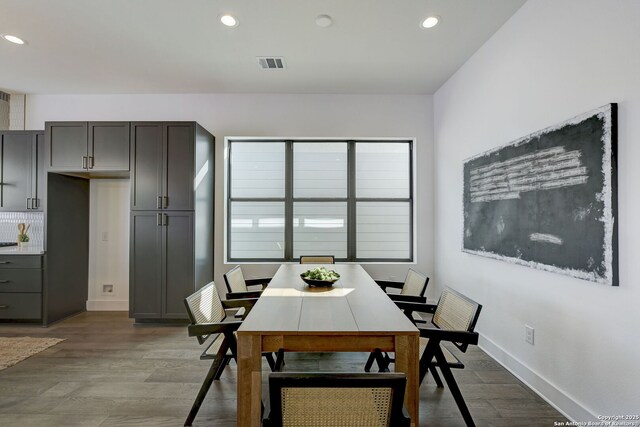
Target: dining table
353,315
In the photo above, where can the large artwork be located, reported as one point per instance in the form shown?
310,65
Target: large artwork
548,200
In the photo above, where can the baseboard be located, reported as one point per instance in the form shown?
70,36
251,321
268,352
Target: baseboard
555,397
107,305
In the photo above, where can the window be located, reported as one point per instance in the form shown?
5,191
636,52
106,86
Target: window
350,199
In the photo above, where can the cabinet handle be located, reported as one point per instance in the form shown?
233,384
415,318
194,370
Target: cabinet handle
165,220
159,204
37,203
159,216
5,262
29,204
4,281
92,161
84,162
4,306
166,201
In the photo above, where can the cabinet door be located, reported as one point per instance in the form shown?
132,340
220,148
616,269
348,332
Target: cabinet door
38,173
66,146
179,165
16,171
146,162
145,274
109,146
178,271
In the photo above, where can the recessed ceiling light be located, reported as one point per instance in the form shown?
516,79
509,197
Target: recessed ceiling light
430,22
324,21
229,20
13,39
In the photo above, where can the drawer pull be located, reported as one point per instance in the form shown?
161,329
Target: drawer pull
4,306
5,262
4,281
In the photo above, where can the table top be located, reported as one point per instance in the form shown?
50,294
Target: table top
355,304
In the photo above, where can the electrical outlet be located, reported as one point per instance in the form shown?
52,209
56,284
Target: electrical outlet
107,289
105,236
529,334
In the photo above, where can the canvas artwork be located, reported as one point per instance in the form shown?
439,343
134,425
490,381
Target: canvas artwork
549,200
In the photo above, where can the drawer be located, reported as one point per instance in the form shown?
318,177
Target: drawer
20,261
21,280
20,306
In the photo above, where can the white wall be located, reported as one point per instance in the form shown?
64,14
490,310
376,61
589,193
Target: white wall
109,253
551,61
404,116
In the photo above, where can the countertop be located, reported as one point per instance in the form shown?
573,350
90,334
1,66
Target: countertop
24,250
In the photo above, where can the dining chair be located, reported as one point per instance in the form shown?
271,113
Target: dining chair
317,259
299,399
238,286
454,320
412,289
207,315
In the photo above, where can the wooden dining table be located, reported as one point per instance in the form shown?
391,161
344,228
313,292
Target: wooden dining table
354,315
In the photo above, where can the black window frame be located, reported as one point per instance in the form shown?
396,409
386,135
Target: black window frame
289,200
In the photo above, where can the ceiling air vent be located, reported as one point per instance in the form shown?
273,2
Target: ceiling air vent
271,62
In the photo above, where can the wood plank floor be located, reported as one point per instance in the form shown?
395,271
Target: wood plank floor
109,372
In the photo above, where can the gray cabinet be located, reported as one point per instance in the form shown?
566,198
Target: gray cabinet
171,167
20,287
21,170
162,264
163,163
92,146
145,255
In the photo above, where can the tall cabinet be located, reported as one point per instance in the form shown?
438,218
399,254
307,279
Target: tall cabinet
171,191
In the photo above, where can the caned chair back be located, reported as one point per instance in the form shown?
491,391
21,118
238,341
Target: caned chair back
414,284
235,280
205,306
337,400
317,259
455,312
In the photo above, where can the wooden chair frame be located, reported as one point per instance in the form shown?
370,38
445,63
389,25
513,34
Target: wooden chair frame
433,355
210,332
384,284
248,282
397,382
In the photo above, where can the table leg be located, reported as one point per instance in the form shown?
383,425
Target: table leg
407,361
249,381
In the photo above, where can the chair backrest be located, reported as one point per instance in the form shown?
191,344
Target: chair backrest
234,280
332,399
455,312
205,306
317,259
414,284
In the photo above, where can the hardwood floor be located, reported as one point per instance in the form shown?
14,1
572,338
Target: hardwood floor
109,372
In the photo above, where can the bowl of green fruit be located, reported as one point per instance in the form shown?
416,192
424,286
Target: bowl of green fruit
320,277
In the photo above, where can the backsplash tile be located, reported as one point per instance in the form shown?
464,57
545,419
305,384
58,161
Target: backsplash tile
9,226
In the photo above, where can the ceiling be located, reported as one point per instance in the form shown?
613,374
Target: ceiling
170,46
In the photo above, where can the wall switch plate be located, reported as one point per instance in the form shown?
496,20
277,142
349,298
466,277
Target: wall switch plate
107,289
105,236
529,334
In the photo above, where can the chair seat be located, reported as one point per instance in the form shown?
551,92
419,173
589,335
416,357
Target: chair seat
417,318
452,360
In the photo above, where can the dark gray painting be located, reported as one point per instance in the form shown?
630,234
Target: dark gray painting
548,200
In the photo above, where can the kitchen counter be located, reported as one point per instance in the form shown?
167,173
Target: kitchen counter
25,250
